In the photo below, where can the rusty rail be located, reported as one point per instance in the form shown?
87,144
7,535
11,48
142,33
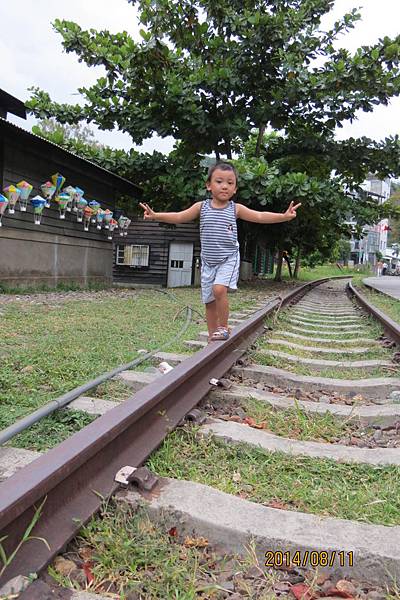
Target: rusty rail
76,475
391,328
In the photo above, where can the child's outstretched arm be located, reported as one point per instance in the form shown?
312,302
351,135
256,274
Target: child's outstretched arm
258,216
184,216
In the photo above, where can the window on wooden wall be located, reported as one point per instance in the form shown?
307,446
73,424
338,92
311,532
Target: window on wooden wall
133,255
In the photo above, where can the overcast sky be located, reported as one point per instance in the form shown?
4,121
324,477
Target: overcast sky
31,54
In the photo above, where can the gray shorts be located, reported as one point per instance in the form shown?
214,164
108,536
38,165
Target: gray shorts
225,273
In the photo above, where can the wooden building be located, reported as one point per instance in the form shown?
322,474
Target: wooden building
157,254
57,250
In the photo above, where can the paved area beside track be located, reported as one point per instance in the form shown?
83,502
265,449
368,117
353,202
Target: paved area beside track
388,284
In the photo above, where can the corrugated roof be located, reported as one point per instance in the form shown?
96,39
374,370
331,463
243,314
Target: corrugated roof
21,131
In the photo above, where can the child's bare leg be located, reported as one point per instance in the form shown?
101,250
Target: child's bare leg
222,304
212,318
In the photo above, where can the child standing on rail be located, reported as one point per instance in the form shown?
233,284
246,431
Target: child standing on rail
220,257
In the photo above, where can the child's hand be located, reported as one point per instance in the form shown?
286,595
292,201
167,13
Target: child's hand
291,211
149,214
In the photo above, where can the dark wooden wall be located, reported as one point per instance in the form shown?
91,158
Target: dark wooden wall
69,252
37,165
158,236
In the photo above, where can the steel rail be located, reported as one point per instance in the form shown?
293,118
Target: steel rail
77,475
391,328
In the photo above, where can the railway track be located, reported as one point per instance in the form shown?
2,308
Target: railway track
289,365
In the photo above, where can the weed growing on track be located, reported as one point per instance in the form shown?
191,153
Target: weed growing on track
130,554
374,353
295,423
388,305
52,430
328,372
324,487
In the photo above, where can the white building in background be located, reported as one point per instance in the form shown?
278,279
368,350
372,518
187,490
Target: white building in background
375,236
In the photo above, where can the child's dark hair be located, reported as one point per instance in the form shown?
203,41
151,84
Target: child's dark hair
224,166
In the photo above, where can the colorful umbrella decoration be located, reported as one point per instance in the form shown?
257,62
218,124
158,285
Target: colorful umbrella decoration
112,225
107,218
12,194
80,207
25,189
58,180
3,206
70,191
87,214
63,200
121,224
95,206
76,197
48,190
38,204
126,226
100,218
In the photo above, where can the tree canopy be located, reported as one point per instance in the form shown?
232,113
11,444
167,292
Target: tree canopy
216,75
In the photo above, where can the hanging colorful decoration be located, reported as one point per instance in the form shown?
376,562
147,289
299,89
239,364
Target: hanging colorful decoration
87,214
12,194
58,181
3,206
100,218
70,191
38,204
25,189
95,206
121,224
80,207
126,226
63,200
48,190
107,218
112,225
76,197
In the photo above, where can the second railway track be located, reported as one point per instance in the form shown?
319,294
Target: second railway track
321,356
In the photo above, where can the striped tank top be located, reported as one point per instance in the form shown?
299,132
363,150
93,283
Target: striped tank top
218,232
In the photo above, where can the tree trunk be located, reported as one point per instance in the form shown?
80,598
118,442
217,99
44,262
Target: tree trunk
261,132
297,265
278,274
228,149
217,155
287,258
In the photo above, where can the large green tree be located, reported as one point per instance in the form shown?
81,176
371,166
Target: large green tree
208,71
216,75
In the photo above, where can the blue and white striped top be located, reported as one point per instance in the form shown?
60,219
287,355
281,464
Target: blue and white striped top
218,232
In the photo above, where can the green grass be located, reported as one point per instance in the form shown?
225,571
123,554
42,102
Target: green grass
129,554
50,347
373,353
43,288
323,487
388,305
328,270
329,372
52,430
295,423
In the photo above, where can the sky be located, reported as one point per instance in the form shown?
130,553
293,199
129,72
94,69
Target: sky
33,55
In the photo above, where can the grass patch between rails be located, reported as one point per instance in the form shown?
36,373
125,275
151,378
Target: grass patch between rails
329,372
373,353
294,423
52,430
324,487
131,556
356,342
